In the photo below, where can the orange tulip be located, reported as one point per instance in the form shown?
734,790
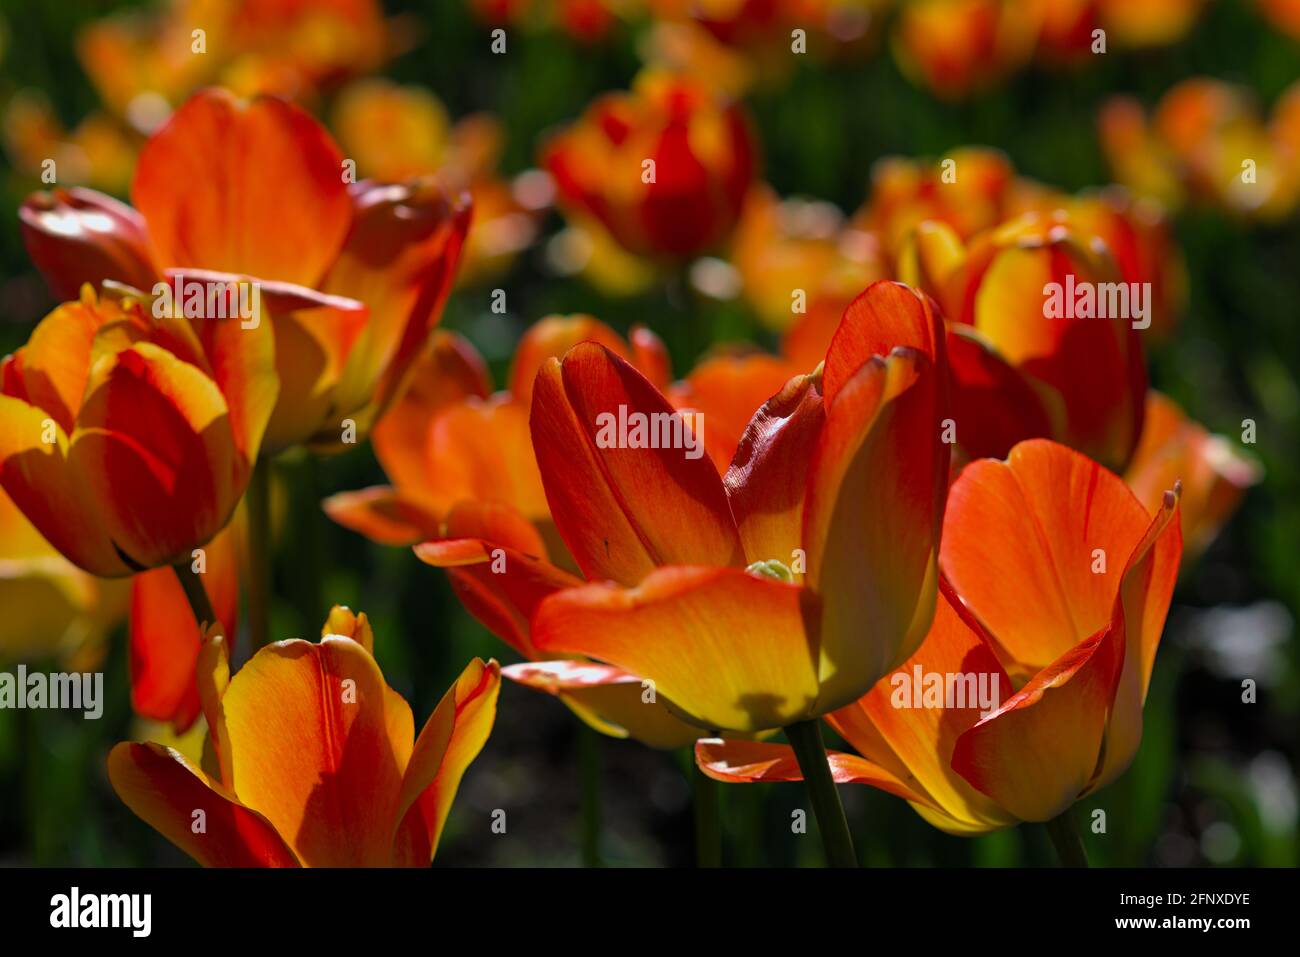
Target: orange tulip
128,440
395,247
955,47
1214,473
462,466
1207,141
664,168
971,189
142,61
1069,25
793,255
824,578
1027,360
313,760
1027,693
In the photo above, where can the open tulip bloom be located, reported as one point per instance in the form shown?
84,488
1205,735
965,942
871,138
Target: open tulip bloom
1027,693
761,600
311,759
260,191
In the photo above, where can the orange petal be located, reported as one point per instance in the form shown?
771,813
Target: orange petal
78,236
242,362
1036,547
1095,365
349,624
727,391
482,450
165,638
1037,753
447,372
609,699
885,316
744,762
730,649
165,790
1214,473
37,476
383,515
896,727
623,511
319,747
399,259
153,444
214,181
498,584
875,500
314,336
1139,617
52,369
766,481
452,738
551,338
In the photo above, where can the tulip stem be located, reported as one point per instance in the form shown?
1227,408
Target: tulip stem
258,502
195,594
708,817
589,771
806,739
1065,836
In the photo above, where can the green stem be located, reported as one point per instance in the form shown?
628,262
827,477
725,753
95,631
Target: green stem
589,771
806,739
1065,836
195,594
708,817
258,567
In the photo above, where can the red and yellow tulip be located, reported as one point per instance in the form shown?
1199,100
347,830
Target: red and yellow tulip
209,195
312,759
1206,141
127,439
1057,582
787,589
664,168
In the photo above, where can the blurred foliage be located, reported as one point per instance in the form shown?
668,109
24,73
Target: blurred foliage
1195,794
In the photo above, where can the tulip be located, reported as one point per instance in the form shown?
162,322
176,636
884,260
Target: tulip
1020,370
664,168
680,587
1057,583
202,204
465,482
142,61
1207,141
312,759
1214,474
127,440
955,47
793,255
